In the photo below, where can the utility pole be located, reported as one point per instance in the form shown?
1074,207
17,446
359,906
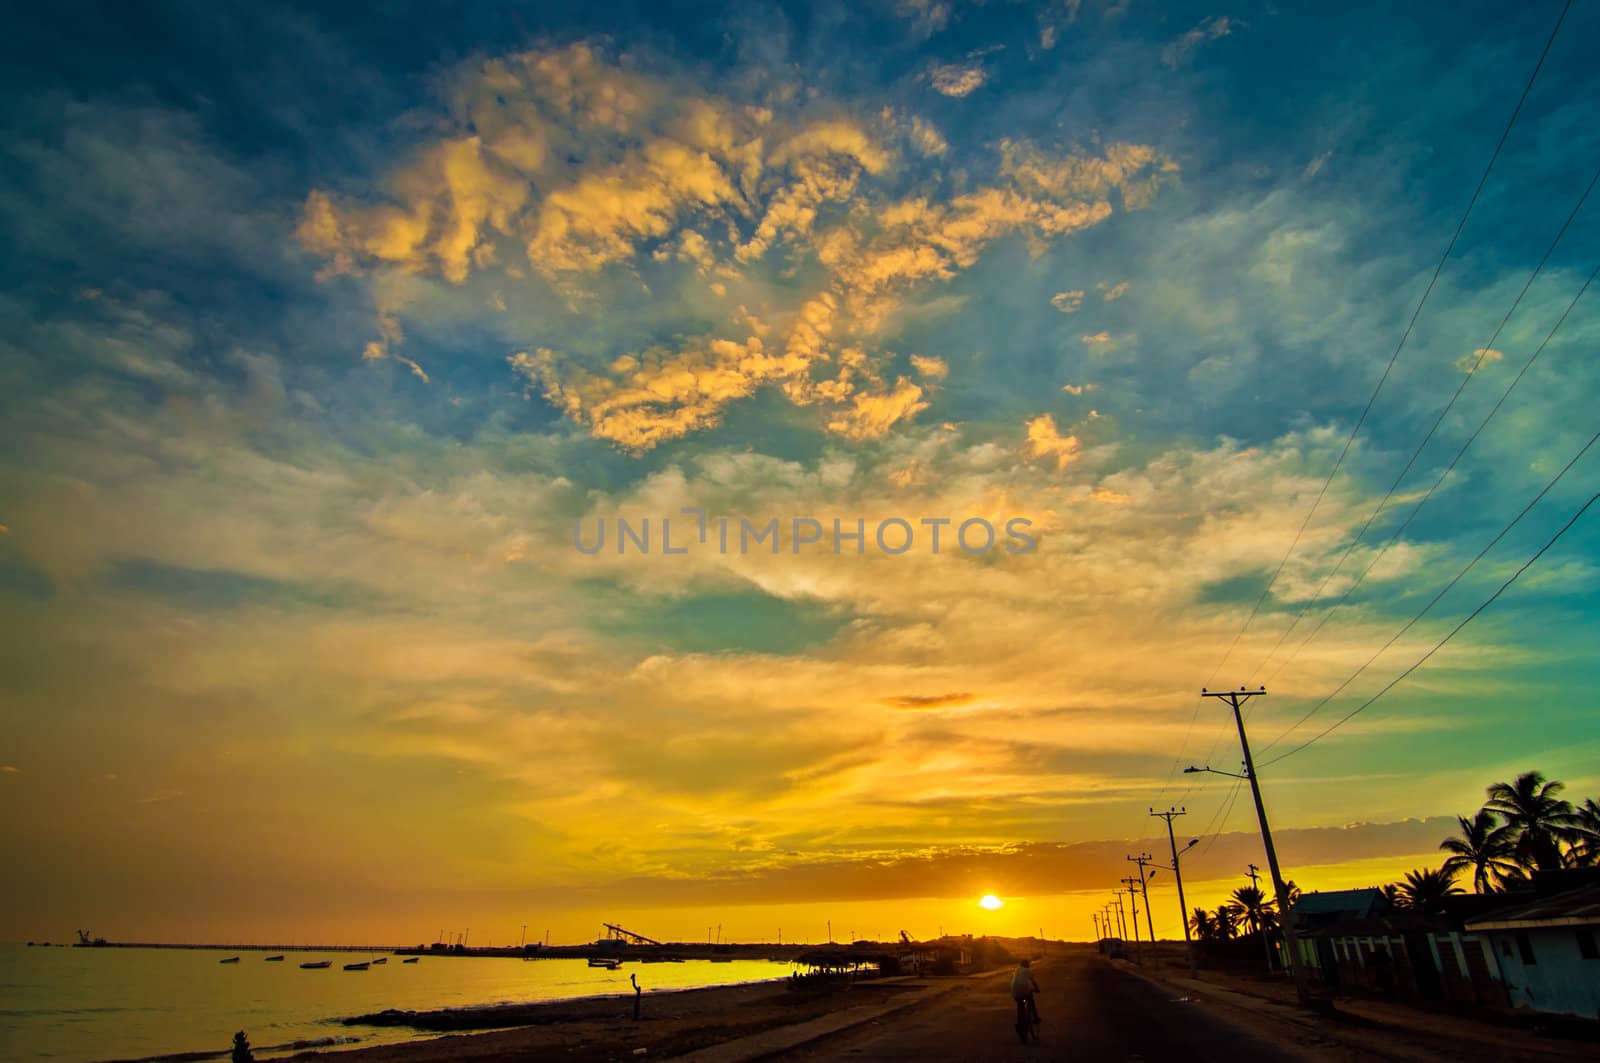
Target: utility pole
1144,888
1252,871
1096,917
523,940
1183,907
1291,941
1133,904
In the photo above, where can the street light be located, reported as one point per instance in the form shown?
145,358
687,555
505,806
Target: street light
1191,770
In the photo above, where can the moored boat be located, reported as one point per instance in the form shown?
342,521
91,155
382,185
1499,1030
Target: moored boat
381,959
230,959
317,965
603,963
357,966
274,959
411,959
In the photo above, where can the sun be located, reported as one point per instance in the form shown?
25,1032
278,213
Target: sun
991,902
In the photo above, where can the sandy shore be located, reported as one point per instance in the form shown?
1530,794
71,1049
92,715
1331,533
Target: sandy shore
670,1024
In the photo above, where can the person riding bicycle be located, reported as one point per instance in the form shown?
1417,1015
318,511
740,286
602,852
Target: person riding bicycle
1023,986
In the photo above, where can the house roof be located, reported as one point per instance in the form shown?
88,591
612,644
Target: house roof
1360,904
1579,907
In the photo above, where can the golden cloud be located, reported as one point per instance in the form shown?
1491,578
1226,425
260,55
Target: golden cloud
588,170
954,79
1067,302
1045,441
1481,358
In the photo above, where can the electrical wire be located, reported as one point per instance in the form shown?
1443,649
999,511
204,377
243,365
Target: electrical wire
1438,645
1373,398
1440,479
1466,378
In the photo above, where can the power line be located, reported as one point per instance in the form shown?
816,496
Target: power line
1436,646
1501,534
1373,398
1224,810
1437,421
1448,469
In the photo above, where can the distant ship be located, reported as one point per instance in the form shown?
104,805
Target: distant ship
411,959
230,959
274,959
357,966
317,966
381,959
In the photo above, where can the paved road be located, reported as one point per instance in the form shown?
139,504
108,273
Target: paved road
1091,1010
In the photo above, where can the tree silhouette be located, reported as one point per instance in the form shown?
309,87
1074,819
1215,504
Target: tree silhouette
1538,819
1486,847
1204,928
1424,890
1254,905
1225,922
241,1049
1585,851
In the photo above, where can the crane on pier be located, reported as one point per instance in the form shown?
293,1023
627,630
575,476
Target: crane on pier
622,933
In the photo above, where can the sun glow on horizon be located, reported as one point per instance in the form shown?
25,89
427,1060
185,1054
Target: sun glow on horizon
991,902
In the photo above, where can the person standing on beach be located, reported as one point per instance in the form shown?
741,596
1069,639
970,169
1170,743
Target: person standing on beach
1023,987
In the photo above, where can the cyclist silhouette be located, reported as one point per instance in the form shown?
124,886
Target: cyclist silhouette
1023,986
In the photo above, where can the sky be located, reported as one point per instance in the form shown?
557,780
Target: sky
332,343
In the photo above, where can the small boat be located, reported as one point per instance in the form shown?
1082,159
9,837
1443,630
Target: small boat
317,966
381,959
603,963
230,959
356,966
411,959
274,959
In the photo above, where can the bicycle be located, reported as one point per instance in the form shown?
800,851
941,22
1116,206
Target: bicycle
1027,1020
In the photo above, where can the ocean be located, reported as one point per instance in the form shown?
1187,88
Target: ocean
86,1005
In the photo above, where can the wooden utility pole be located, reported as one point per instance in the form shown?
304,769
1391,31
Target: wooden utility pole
1253,871
1291,941
1144,888
1133,904
1183,907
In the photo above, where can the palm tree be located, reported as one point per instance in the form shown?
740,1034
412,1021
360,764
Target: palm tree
1204,929
1391,893
1225,922
1425,891
1485,846
1254,905
1585,851
1536,817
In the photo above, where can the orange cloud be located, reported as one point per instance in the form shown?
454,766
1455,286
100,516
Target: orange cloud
1044,440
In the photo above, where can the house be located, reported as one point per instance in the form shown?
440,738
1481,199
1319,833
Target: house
1548,951
1358,942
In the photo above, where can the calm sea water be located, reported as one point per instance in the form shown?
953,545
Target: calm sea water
82,1005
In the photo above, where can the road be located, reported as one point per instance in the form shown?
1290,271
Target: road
1090,1010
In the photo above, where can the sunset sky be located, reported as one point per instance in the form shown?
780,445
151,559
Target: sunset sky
319,331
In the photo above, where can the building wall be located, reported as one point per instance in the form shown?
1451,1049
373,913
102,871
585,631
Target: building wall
1560,981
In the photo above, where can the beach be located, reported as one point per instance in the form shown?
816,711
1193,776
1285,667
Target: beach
603,1028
